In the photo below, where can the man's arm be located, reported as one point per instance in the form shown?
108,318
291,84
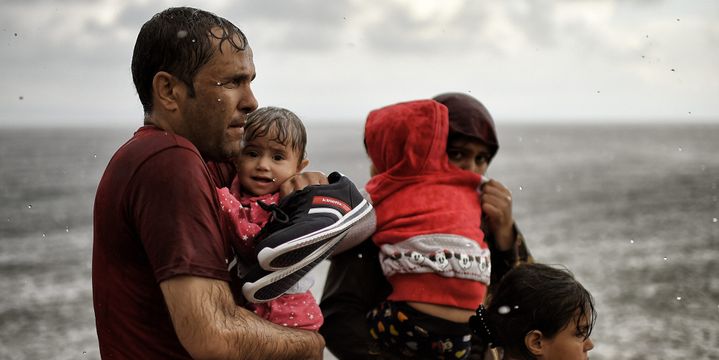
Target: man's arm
210,325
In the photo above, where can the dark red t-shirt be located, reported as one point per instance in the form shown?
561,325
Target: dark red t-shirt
156,216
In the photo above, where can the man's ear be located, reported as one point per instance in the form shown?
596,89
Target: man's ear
534,342
165,89
303,164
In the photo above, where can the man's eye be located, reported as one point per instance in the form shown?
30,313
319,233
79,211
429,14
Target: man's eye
232,84
481,159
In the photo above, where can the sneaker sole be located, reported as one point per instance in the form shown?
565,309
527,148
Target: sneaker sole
295,250
274,284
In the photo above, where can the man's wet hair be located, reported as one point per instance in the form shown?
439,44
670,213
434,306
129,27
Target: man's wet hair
285,125
179,41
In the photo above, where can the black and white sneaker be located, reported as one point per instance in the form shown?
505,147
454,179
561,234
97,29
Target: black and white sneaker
311,219
263,285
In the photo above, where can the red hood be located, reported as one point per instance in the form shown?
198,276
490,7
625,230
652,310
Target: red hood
407,138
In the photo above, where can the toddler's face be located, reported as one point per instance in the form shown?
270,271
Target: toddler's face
264,164
467,154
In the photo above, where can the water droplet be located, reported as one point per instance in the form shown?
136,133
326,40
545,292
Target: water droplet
673,70
44,235
218,100
15,34
599,92
21,97
521,188
359,256
504,309
219,83
677,19
679,298
516,307
29,206
666,258
631,241
193,40
520,139
714,220
67,229
558,188
181,34
680,149
94,156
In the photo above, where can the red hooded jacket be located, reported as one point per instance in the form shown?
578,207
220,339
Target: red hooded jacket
428,211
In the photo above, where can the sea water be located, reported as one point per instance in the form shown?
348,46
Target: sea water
631,210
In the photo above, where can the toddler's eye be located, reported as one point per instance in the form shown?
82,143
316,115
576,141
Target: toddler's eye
278,157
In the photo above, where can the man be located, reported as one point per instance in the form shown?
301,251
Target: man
161,285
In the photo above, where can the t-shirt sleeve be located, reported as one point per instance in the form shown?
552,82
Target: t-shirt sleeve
174,206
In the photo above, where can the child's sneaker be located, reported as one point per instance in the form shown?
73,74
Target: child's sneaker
262,285
308,220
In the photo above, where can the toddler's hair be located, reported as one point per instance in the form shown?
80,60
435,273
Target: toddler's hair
533,297
286,127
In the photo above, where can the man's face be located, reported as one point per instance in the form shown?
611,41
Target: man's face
214,118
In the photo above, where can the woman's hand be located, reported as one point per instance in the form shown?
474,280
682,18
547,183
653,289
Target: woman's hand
496,200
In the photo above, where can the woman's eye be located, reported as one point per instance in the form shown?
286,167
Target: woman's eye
454,155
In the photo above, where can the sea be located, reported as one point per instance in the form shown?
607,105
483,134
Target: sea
631,210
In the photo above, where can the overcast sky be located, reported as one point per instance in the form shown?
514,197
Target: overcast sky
527,60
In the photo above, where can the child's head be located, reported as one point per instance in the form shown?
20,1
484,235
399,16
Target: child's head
472,140
273,150
539,312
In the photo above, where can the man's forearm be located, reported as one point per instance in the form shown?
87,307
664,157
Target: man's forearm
210,326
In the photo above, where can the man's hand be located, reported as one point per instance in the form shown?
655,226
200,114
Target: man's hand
496,200
299,181
210,326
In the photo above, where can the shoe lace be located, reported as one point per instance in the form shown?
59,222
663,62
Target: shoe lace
277,213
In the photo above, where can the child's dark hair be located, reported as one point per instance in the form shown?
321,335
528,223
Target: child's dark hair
533,297
287,128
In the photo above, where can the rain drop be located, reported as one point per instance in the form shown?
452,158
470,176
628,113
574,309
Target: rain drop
15,34
21,97
44,235
193,40
219,83
218,100
673,70
181,34
29,206
680,149
67,229
599,92
94,156
520,139
677,19
679,298
516,307
521,188
558,188
504,309
631,241
714,220
666,258
359,256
